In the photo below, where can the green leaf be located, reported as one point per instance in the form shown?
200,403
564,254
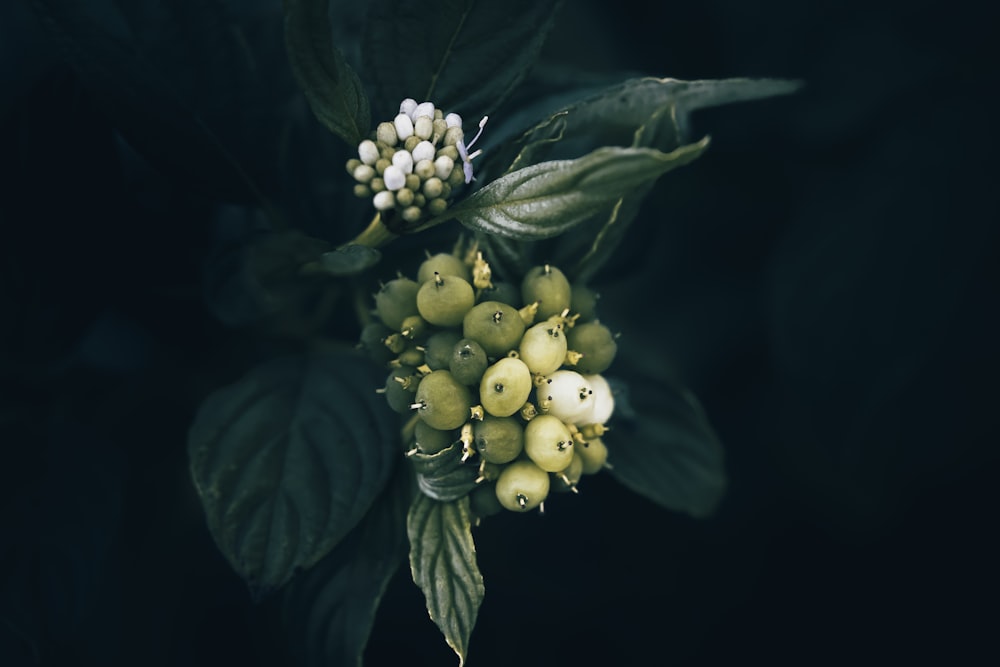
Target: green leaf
350,259
548,198
443,565
663,447
329,609
444,475
287,459
462,55
331,86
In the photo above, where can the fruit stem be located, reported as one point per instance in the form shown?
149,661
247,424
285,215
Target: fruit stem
375,235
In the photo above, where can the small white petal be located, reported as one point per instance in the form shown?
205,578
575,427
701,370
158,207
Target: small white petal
443,166
408,106
384,200
404,126
394,178
368,151
453,120
423,151
403,160
424,109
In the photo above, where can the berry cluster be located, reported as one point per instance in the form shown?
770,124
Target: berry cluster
408,165
510,373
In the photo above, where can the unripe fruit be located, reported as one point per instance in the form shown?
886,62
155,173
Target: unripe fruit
483,500
441,401
498,439
444,300
543,348
567,395
505,387
373,341
548,443
399,388
503,292
396,301
439,347
468,362
431,440
522,486
549,286
494,325
566,480
583,302
444,263
597,345
594,455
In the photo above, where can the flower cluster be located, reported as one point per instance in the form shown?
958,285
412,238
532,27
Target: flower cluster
408,164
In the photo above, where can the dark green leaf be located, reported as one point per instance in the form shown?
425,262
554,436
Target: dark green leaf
443,565
288,459
548,198
329,609
443,475
666,450
462,55
332,88
350,259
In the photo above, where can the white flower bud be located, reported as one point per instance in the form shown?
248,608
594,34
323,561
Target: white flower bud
394,177
384,200
443,166
368,151
424,169
403,160
432,187
453,120
364,173
408,106
423,151
453,136
386,134
424,109
423,127
404,126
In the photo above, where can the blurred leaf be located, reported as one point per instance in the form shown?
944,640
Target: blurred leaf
350,259
198,88
333,89
443,475
664,448
463,56
548,198
443,565
287,459
329,609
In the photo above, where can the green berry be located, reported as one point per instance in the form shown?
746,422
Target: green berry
596,343
593,454
543,348
522,486
444,300
439,347
431,440
441,401
468,362
505,387
502,291
396,301
399,386
373,337
549,286
495,325
583,302
444,263
498,439
566,480
483,500
548,443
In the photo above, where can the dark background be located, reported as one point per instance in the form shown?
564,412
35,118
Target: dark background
824,278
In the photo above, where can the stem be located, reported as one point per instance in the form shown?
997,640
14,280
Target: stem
375,235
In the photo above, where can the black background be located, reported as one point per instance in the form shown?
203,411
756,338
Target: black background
825,279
